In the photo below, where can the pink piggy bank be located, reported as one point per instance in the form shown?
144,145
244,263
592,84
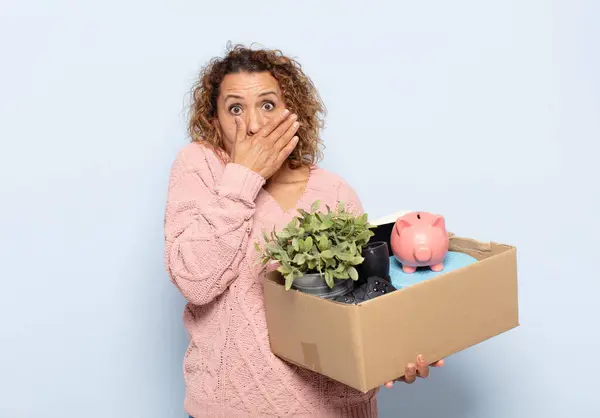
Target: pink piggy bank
420,239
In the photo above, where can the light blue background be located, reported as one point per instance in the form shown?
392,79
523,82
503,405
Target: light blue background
487,112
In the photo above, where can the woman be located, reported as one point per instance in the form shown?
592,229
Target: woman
252,161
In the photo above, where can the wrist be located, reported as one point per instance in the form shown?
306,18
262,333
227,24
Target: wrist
240,182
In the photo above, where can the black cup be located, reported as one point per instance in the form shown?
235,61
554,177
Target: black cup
376,262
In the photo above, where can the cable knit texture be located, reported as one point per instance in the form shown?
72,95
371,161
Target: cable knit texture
215,212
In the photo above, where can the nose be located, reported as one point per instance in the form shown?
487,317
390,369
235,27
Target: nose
422,254
255,122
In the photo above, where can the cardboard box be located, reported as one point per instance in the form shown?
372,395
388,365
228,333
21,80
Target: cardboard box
366,345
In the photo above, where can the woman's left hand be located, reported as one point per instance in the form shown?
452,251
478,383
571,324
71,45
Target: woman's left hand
420,369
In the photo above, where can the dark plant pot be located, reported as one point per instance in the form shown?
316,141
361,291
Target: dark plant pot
314,283
376,263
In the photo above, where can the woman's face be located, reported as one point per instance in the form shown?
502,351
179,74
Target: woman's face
255,97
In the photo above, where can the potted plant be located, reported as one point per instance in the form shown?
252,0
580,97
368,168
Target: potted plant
317,251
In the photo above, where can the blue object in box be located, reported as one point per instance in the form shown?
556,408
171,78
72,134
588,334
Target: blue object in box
453,261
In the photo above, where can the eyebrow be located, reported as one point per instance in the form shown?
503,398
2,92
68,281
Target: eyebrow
236,96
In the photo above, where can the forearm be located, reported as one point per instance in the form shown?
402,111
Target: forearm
207,229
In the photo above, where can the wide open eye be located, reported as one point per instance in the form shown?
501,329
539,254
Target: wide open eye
268,106
235,109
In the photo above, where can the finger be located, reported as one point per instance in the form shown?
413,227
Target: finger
270,126
240,129
287,150
287,136
410,373
438,363
278,133
422,367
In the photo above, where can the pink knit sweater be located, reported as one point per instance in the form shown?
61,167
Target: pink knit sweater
215,212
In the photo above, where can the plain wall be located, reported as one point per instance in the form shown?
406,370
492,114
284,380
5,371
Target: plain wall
487,112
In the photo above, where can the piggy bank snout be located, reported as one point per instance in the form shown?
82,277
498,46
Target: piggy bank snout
422,254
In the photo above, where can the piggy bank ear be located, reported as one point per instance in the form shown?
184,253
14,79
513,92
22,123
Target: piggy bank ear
439,222
400,225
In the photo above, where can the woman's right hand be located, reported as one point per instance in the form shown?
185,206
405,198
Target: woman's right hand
265,151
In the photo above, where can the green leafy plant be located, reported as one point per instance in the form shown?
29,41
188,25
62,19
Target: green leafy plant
329,243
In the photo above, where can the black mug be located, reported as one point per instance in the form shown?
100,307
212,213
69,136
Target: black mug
376,262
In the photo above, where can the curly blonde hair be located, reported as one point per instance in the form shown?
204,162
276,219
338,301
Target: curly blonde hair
301,97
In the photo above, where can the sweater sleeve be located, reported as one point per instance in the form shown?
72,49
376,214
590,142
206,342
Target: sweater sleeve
207,224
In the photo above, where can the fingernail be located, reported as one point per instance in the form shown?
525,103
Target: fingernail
296,124
285,112
420,358
412,367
